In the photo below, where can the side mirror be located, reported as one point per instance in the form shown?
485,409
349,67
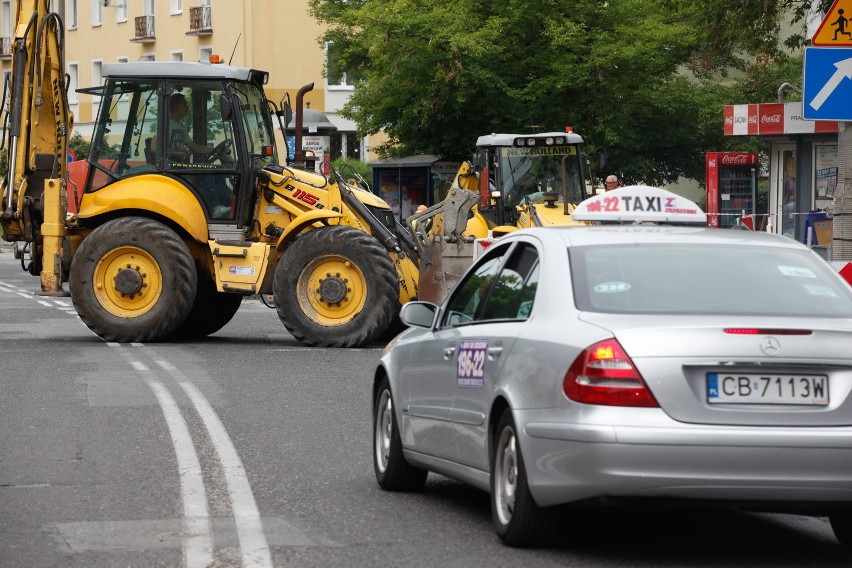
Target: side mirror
418,314
225,107
286,113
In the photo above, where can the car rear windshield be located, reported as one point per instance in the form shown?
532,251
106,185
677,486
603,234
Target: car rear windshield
706,279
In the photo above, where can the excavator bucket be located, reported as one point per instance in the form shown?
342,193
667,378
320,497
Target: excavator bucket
441,265
445,252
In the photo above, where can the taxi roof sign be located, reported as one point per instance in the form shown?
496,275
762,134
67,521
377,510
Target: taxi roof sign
836,28
638,204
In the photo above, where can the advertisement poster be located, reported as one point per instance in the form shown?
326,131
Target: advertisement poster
826,171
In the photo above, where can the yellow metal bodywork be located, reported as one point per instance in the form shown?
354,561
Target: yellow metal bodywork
243,268
160,195
53,231
299,201
38,127
555,216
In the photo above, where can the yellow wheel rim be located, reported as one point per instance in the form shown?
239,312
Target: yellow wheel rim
127,282
332,290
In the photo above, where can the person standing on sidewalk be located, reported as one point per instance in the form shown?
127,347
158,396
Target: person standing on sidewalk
611,182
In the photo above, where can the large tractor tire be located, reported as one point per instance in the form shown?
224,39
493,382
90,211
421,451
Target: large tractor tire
210,312
133,280
336,287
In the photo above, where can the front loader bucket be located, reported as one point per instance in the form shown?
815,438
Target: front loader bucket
441,265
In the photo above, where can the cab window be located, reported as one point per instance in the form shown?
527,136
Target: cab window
200,146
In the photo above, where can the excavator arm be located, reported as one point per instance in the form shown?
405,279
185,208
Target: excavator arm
34,199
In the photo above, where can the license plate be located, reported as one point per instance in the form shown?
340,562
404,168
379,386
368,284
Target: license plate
748,388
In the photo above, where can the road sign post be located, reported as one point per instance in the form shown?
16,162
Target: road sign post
827,95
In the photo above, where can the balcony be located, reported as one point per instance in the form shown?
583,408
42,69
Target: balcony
5,47
200,21
144,30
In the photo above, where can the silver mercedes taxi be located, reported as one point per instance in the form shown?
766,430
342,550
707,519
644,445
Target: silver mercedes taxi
590,364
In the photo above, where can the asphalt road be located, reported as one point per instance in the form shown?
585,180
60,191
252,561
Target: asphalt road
249,449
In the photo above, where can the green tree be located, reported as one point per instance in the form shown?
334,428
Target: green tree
79,145
638,79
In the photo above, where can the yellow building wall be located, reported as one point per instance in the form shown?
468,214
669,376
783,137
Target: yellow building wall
262,34
279,37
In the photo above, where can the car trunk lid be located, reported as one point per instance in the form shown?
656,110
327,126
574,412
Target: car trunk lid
741,370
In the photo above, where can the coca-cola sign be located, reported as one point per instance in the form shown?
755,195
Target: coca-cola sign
736,159
771,118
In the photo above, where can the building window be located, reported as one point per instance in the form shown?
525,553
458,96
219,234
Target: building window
121,11
176,7
204,54
71,14
6,14
147,57
177,56
97,13
73,82
336,75
97,79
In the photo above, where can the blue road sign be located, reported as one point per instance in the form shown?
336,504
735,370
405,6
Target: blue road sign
828,84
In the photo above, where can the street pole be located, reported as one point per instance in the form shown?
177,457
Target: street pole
841,246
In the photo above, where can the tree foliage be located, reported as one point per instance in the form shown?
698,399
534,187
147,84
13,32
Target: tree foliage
640,80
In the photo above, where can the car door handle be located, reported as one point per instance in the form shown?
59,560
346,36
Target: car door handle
449,352
494,352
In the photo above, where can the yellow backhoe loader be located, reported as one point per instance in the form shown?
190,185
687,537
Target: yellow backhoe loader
184,208
515,181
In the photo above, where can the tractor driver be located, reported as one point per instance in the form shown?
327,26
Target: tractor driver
180,143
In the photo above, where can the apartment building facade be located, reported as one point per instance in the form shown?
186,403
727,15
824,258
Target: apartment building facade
274,35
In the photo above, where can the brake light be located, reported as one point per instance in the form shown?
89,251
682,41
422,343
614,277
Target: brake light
604,374
758,331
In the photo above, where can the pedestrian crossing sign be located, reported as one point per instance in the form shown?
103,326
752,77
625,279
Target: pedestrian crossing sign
836,28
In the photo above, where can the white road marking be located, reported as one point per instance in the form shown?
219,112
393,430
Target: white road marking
253,544
43,303
24,294
197,541
63,304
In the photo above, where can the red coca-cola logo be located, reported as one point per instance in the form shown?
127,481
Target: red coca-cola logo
735,159
752,119
729,120
770,119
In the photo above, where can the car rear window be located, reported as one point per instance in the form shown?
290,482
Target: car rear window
711,279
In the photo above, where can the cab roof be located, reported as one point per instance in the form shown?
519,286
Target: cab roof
509,139
179,70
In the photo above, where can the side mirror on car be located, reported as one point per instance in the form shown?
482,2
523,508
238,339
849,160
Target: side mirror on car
418,314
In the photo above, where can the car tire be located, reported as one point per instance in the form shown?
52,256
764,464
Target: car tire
519,521
841,524
159,268
393,472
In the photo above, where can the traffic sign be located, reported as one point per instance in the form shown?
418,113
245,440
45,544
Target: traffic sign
827,93
836,28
